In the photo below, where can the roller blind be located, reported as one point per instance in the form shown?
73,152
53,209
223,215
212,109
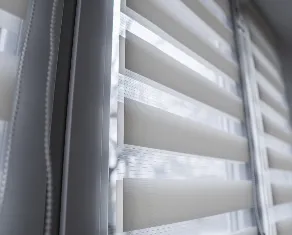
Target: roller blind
153,202
275,119
8,67
180,129
10,26
11,14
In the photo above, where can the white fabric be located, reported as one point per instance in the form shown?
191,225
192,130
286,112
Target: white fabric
275,129
146,60
275,116
264,40
279,160
282,193
207,73
224,5
8,68
151,127
210,19
267,69
159,13
249,231
148,202
284,227
271,96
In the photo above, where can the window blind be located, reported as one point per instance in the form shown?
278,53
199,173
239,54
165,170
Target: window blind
153,202
276,123
8,67
182,151
11,15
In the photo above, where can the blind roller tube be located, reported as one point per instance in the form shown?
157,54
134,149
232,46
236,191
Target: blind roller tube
150,202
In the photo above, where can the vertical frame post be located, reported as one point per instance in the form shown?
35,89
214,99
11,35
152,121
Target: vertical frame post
259,169
86,169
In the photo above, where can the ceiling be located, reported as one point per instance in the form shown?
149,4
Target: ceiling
278,15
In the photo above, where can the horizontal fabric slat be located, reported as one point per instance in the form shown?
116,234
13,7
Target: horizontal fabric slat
249,231
146,60
277,144
8,68
149,203
266,68
284,227
210,19
280,177
271,96
274,116
273,128
260,39
279,160
151,127
149,32
282,193
157,11
139,88
219,12
224,5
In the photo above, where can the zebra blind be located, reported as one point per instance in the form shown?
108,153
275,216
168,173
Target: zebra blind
276,125
11,14
10,29
8,67
178,127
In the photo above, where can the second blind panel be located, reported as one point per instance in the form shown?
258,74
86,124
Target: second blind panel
180,123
